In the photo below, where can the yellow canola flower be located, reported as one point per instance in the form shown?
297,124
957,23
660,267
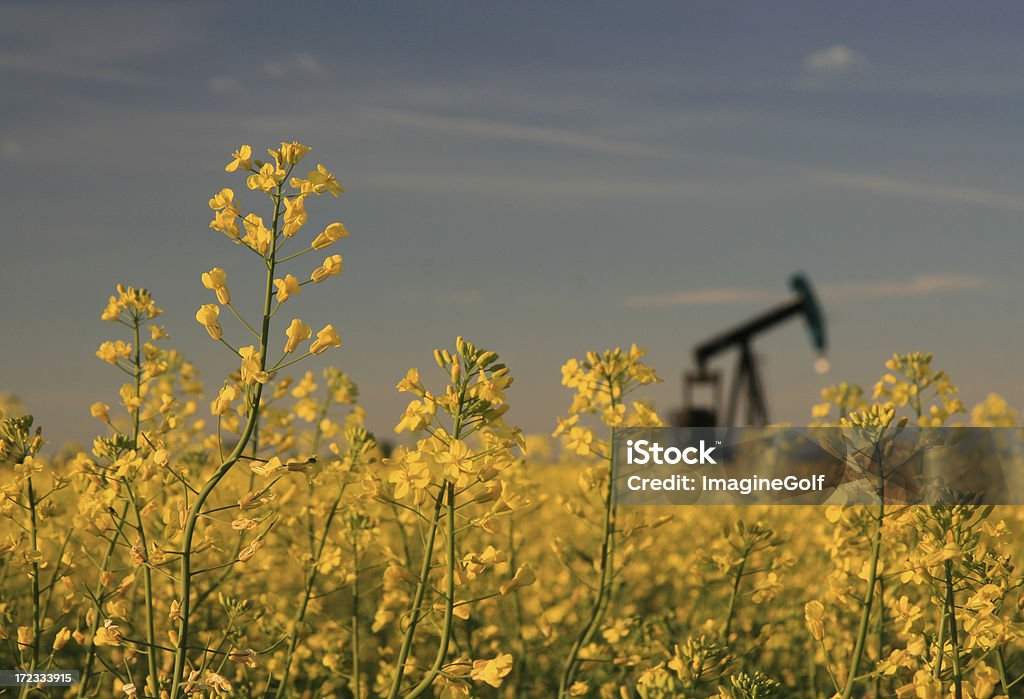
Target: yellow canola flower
292,153
330,267
107,635
319,181
295,215
417,416
412,476
131,302
333,233
62,637
325,339
494,670
297,332
242,159
286,287
924,686
224,199
250,370
216,280
226,222
207,316
579,440
523,578
111,352
222,404
100,411
257,236
267,179
457,461
269,468
814,614
249,551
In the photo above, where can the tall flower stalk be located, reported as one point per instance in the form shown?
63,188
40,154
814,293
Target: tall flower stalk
601,382
288,215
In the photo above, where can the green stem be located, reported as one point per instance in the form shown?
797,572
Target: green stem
424,578
417,600
355,616
147,573
869,598
958,687
36,621
300,614
185,574
147,579
90,656
941,643
734,595
446,629
1001,664
603,588
522,671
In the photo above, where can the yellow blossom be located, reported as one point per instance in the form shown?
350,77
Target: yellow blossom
292,153
111,352
257,236
62,637
325,339
494,670
412,476
297,332
207,315
286,287
266,179
216,281
226,221
334,232
251,371
321,180
107,635
524,577
224,199
331,266
249,551
241,159
295,215
814,614
579,440
222,404
100,411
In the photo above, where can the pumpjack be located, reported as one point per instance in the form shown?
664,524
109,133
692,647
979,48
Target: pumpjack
747,386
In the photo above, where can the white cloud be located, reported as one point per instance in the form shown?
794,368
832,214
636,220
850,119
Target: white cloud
224,85
722,296
834,59
10,148
511,131
296,64
916,189
468,297
920,285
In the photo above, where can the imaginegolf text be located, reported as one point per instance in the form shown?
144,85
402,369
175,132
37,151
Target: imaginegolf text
742,486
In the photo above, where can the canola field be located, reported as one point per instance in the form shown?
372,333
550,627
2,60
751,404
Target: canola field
248,537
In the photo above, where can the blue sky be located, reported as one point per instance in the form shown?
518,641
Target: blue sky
544,178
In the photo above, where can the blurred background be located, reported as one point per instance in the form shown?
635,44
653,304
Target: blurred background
541,178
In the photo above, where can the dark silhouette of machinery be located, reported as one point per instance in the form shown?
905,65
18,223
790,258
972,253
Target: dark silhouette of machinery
747,386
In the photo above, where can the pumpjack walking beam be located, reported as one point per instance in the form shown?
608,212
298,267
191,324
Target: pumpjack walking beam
747,380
